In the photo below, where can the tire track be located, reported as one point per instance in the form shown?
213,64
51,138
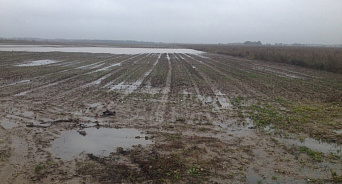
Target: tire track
165,94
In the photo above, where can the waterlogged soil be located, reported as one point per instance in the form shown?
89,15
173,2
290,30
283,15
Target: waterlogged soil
166,118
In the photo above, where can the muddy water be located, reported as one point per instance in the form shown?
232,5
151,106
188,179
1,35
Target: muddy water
316,145
254,178
8,125
313,144
100,142
110,50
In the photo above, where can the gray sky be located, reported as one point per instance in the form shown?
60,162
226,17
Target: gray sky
185,21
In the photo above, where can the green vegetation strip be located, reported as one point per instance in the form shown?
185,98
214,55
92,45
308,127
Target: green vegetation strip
319,120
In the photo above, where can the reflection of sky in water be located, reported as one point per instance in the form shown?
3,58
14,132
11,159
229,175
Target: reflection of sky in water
316,145
38,62
97,141
110,50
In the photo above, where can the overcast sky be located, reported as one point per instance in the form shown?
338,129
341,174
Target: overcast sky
182,21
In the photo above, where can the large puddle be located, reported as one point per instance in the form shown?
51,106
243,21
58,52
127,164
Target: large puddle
316,145
110,50
310,143
100,142
38,62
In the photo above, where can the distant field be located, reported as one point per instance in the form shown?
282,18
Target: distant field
321,58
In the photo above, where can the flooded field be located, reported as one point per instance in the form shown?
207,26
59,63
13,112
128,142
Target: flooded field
139,115
109,50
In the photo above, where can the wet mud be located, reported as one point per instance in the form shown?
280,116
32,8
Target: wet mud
166,117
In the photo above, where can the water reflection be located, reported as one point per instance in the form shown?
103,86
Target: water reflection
100,142
110,50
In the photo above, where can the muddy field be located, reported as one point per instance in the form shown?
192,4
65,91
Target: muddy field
166,118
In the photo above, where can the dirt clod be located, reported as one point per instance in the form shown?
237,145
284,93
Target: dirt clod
82,132
108,113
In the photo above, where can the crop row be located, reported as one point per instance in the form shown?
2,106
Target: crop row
180,80
159,74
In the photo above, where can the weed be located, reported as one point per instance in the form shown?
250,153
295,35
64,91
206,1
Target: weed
237,100
38,167
313,154
173,137
297,118
335,155
194,171
174,174
50,162
203,129
335,177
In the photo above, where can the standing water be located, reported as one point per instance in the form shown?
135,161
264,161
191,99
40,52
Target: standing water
100,142
110,50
